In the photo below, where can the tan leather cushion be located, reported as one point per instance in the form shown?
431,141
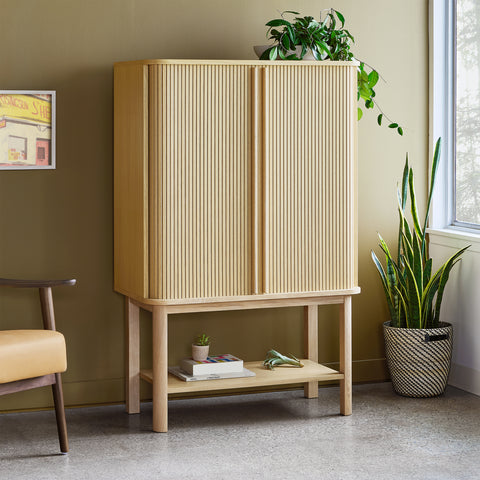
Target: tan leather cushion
31,353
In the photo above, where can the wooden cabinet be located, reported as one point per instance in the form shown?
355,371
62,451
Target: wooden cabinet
234,184
234,178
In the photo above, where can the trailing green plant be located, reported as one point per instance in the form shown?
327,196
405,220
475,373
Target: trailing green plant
202,340
326,39
275,358
413,292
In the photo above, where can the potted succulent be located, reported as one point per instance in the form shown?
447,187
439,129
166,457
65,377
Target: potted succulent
200,348
304,38
418,346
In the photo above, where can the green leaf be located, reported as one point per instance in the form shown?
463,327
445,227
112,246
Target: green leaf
266,54
413,205
447,266
384,246
304,50
323,46
316,54
364,91
427,272
405,176
407,244
429,293
385,284
414,298
273,53
359,113
417,263
277,22
379,119
291,33
405,307
372,78
433,175
340,17
285,41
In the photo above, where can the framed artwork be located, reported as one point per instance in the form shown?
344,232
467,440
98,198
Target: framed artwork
27,129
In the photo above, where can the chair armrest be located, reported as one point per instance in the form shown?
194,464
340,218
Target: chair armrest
10,282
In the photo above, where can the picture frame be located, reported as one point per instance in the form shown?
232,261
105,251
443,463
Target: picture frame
27,129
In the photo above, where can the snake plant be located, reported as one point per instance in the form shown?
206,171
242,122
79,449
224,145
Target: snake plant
414,294
275,358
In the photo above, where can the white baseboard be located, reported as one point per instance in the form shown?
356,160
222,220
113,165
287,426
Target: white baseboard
465,378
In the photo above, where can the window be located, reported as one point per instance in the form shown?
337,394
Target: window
455,112
467,112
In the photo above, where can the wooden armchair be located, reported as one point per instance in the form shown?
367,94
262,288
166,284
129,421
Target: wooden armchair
35,358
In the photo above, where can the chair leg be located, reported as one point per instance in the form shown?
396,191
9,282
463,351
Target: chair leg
60,413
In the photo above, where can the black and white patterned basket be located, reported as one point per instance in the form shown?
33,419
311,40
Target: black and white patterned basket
419,359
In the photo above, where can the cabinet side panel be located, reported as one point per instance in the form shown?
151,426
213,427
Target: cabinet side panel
130,180
204,238
310,178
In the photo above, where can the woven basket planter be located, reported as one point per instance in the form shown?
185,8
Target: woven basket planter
419,359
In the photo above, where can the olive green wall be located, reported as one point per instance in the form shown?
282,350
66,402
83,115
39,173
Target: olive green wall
59,223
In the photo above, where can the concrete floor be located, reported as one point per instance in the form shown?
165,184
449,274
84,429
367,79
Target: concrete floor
278,436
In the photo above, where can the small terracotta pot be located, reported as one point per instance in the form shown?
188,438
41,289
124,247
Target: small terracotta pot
200,352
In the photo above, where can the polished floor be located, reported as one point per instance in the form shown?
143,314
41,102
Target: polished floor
277,436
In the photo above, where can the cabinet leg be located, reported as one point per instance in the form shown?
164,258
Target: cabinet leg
311,345
160,369
132,380
346,356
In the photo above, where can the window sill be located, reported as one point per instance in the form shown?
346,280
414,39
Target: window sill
455,237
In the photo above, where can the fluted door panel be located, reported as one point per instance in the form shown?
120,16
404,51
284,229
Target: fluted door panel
200,180
309,178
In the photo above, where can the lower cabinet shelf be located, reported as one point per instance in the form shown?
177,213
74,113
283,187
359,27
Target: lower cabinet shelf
311,373
283,375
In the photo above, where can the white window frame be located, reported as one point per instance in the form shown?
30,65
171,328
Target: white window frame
442,108
442,115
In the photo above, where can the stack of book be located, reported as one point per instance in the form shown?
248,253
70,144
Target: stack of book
214,367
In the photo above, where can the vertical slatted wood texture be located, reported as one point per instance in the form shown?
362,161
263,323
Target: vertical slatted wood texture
309,184
200,181
131,179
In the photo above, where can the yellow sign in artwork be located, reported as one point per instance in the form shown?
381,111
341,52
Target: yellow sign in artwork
26,107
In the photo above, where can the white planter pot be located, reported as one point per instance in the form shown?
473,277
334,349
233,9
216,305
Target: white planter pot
259,49
419,359
200,352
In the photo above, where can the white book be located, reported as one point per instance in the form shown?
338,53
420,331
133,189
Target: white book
212,376
214,364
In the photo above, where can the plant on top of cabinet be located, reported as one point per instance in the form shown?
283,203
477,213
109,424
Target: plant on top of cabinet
418,345
305,38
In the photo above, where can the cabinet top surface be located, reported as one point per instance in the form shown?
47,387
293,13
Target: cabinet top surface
257,63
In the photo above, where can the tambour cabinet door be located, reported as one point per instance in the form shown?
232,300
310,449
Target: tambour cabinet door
309,183
200,180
